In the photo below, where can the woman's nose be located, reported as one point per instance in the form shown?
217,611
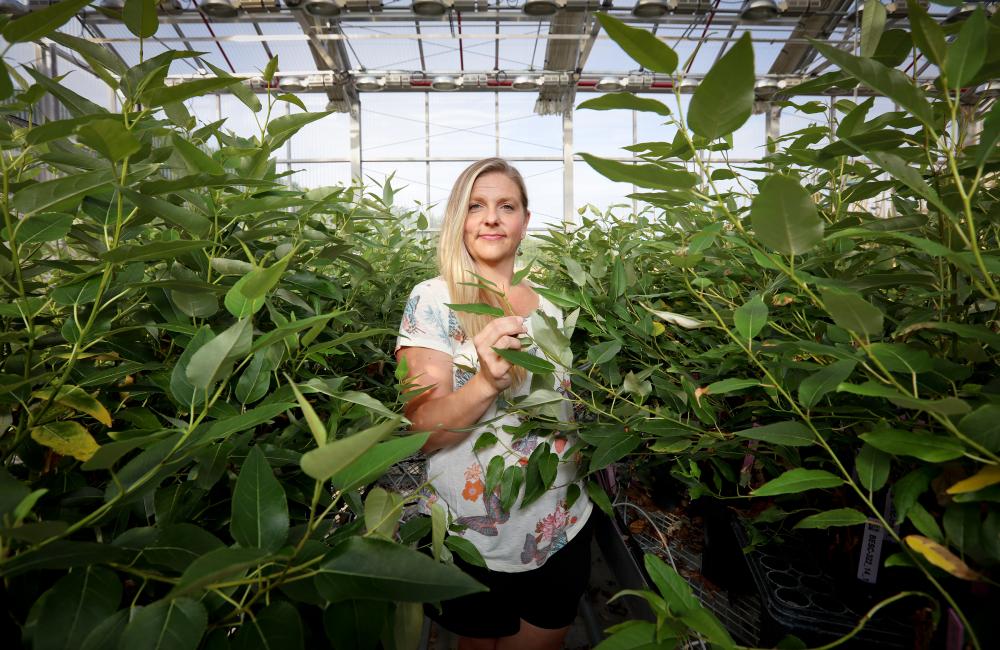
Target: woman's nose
492,216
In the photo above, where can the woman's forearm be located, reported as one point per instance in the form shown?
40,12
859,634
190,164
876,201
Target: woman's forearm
456,410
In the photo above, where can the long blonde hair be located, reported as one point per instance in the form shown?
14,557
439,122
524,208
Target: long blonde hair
455,263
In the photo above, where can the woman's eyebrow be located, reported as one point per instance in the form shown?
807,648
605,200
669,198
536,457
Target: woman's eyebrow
476,197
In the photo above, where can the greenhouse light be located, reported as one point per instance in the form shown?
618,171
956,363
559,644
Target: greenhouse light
113,4
524,82
687,85
322,8
220,8
292,4
759,10
446,83
539,7
369,83
765,88
429,7
292,83
990,89
609,85
653,8
961,12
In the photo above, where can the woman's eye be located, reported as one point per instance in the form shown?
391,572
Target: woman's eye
508,206
474,206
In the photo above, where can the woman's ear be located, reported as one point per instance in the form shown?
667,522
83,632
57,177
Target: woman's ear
527,218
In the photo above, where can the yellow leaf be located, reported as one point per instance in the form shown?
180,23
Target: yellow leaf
985,477
66,438
658,328
941,557
78,399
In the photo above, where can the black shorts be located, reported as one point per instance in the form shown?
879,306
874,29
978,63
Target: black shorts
546,597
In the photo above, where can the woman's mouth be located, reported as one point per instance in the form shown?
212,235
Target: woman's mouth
492,236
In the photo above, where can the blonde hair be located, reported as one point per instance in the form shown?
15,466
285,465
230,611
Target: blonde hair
456,265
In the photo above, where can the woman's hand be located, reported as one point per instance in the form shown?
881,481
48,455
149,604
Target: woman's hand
502,333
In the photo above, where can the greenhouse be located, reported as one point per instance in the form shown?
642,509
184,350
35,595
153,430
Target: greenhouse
531,324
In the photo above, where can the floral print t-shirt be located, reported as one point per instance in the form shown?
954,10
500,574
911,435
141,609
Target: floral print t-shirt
510,541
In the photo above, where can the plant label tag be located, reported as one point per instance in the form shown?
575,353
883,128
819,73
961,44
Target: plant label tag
871,552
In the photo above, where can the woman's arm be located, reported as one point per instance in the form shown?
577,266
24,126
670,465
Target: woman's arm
441,409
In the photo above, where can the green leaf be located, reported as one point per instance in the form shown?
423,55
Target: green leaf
161,250
904,172
510,485
382,511
872,24
675,590
196,159
730,385
465,549
643,175
644,48
316,426
179,545
92,52
798,480
638,635
784,216
613,448
989,136
983,426
790,433
255,381
853,313
278,625
898,357
74,606
238,304
927,33
270,68
175,215
239,88
603,352
260,281
106,633
814,387
215,567
331,458
477,308
365,400
944,406
600,498
212,362
927,447
355,624
48,226
627,101
51,195
526,360
750,318
966,54
174,624
873,468
158,96
704,622
260,509
377,569
182,389
888,81
837,517
39,23
723,101
66,438
282,128
247,421
140,17
76,398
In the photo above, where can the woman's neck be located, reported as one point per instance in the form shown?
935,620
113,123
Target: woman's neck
500,275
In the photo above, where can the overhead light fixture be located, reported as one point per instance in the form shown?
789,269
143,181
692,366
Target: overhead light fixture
961,12
653,8
446,82
323,8
609,85
429,7
766,88
292,4
111,4
990,89
758,10
524,82
539,7
369,83
220,8
16,7
687,85
291,83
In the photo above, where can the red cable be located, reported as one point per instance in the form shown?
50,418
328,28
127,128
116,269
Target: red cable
212,32
708,23
461,57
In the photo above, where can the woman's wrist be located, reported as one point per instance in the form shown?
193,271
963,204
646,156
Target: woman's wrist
483,387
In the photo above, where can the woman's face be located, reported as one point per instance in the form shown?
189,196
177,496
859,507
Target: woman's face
496,220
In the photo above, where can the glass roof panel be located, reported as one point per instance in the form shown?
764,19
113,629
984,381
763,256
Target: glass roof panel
382,53
522,53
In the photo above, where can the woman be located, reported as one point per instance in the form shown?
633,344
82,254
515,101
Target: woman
534,590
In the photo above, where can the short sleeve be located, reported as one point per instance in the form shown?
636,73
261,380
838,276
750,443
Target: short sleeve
424,323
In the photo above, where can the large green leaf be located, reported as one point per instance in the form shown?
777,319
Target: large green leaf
613,448
179,545
944,406
66,438
47,226
814,387
904,172
873,467
74,606
40,22
169,624
213,360
927,447
355,624
643,175
180,387
215,567
853,313
872,24
261,280
48,195
888,81
336,456
107,633
161,250
239,88
260,509
109,138
750,318
627,101
526,360
63,555
983,426
140,17
644,48
830,518
798,480
160,95
284,127
927,34
175,215
276,627
791,433
675,590
376,569
91,51
373,463
197,160
967,52
784,216
723,100
989,136
255,381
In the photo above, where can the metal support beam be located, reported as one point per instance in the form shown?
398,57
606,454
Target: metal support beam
569,214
